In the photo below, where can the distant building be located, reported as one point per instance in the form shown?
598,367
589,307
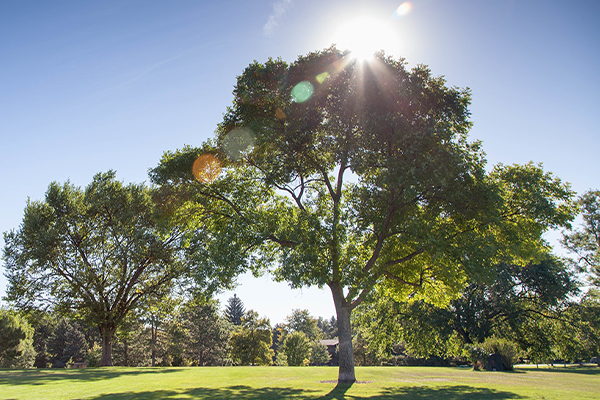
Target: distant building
332,350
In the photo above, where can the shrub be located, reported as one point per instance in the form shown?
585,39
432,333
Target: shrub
506,348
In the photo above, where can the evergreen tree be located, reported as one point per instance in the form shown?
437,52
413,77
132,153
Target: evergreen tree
66,343
234,310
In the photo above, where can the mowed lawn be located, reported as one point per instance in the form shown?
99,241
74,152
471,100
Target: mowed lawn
299,382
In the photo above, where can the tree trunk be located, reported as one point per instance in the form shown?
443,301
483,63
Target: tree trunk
345,351
154,334
106,333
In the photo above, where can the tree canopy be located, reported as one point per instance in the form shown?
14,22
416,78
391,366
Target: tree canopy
99,252
514,304
16,341
584,243
250,343
335,172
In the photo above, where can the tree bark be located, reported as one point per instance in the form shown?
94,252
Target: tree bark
107,334
346,353
154,333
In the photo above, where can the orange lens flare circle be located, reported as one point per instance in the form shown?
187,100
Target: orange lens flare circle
206,168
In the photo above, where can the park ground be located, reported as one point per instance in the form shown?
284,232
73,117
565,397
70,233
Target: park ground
300,382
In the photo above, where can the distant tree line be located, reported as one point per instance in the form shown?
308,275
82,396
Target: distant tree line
185,333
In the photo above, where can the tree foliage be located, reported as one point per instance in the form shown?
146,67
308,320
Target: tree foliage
234,310
207,334
66,344
349,175
16,341
302,321
250,343
520,303
297,348
585,242
99,252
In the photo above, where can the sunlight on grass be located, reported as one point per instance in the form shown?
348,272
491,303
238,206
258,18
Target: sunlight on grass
302,383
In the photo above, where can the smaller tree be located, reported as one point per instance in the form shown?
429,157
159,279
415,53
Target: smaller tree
207,333
131,347
250,344
297,348
16,341
318,354
302,321
506,348
234,310
66,343
43,324
328,327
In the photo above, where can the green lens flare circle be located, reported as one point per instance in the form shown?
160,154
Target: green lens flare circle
302,91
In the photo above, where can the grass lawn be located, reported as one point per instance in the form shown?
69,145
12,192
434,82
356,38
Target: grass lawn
376,383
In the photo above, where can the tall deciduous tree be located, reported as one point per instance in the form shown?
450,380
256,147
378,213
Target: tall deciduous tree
585,242
99,252
347,174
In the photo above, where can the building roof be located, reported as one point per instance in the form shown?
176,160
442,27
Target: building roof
330,342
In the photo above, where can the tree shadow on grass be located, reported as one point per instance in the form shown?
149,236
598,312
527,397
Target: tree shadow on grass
43,376
338,393
232,392
424,392
568,370
459,392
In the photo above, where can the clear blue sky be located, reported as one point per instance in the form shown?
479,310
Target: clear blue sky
87,86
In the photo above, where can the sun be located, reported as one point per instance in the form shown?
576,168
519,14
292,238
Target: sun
364,36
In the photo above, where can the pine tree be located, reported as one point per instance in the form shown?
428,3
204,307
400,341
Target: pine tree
234,310
66,343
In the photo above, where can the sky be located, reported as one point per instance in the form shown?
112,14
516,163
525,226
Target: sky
88,86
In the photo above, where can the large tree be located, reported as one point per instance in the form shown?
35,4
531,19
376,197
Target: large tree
347,174
99,252
584,243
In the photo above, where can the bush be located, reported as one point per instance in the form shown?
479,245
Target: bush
94,355
506,348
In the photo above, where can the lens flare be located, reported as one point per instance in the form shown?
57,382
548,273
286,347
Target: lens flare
404,9
206,168
302,91
321,77
237,142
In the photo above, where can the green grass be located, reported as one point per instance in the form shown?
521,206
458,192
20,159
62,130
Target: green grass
376,383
